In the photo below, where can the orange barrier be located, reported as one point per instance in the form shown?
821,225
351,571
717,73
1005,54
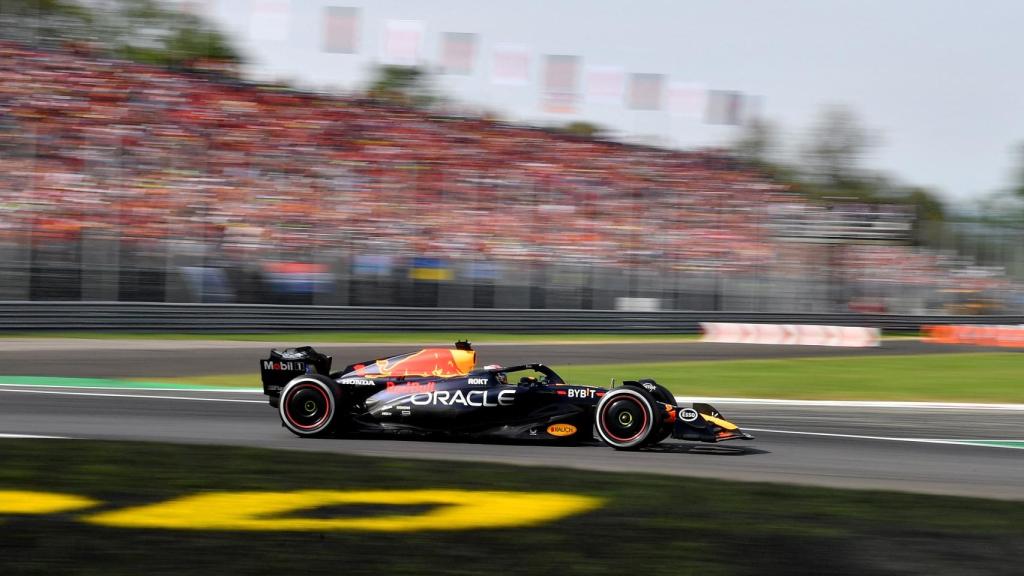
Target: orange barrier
977,335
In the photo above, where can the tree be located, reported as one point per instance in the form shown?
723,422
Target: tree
145,30
404,85
756,142
835,148
584,129
141,30
1017,187
927,206
44,21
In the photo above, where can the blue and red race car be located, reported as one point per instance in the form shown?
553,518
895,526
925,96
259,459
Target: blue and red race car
440,391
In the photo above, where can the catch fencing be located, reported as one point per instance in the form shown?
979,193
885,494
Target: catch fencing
163,317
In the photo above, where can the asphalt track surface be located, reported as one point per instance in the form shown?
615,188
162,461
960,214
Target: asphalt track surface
155,358
837,446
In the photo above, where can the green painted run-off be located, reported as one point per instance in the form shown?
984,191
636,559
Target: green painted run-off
998,443
57,382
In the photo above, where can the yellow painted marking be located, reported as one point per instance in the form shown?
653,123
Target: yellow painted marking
31,502
277,511
720,422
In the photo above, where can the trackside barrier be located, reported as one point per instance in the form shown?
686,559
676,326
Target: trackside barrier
42,316
794,334
1004,336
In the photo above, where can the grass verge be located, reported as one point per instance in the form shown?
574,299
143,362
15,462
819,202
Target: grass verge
647,525
981,377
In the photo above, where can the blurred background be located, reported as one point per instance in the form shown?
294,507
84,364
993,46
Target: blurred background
519,156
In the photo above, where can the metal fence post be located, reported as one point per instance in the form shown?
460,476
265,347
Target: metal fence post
15,269
100,267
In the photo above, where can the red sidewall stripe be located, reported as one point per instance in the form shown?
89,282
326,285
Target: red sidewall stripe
626,398
293,392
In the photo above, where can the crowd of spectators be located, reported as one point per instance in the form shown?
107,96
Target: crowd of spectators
150,154
103,146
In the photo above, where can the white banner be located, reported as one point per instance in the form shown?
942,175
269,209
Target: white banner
511,65
687,100
269,20
402,42
605,84
790,334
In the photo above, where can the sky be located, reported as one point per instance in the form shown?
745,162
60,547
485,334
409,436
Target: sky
937,82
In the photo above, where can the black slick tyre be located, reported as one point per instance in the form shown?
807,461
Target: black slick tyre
661,394
625,418
309,405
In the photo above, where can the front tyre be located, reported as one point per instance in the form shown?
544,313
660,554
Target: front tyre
626,417
661,394
309,405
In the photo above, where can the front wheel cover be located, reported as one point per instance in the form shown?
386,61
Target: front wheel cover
625,418
308,406
661,394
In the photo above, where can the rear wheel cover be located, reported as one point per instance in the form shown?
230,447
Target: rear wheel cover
307,406
625,418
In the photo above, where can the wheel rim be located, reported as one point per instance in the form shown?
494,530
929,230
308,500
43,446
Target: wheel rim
307,406
624,419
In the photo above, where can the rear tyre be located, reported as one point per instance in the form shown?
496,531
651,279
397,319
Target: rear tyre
626,418
309,405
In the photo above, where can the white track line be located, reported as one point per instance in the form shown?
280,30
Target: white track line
148,396
857,403
685,399
33,436
970,442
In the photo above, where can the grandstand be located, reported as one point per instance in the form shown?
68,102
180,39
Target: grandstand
136,182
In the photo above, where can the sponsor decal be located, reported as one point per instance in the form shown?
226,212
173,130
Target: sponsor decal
471,398
581,393
290,366
385,413
411,388
357,381
406,412
650,387
688,414
561,429
478,381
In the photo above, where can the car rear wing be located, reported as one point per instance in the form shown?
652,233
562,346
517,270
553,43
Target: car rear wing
284,365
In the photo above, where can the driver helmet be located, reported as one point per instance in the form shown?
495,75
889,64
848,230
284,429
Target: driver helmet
500,376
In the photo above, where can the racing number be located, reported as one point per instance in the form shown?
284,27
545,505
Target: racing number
281,511
32,502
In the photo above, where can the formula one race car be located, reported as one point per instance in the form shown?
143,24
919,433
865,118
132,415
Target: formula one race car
439,391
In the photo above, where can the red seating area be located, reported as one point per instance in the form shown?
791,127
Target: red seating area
149,154
146,154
